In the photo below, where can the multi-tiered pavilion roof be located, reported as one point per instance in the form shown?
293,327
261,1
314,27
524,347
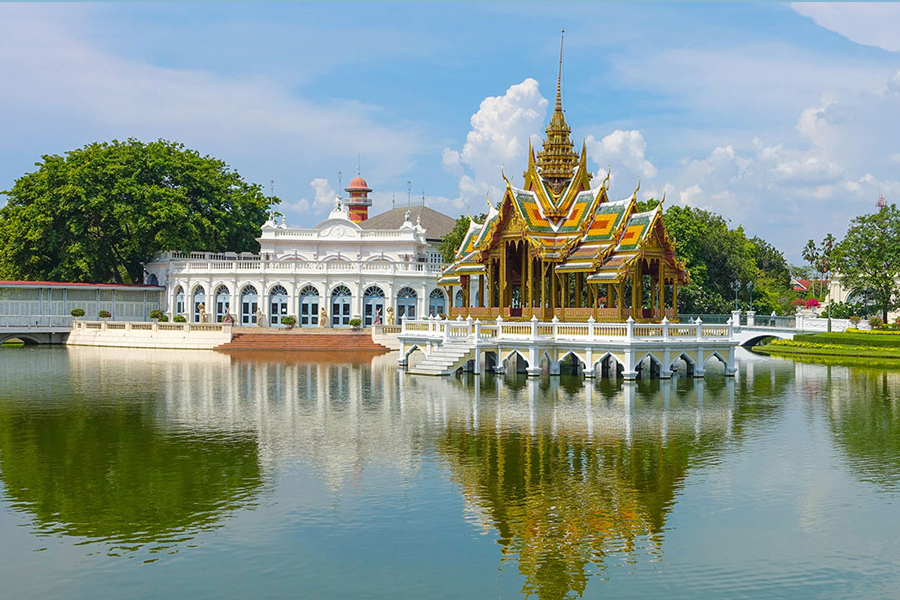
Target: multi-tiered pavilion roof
557,226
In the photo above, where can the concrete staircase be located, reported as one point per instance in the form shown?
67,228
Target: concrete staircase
445,359
327,342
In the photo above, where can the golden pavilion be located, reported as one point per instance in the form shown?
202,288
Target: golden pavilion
560,248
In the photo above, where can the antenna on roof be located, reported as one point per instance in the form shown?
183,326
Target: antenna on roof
393,201
357,166
408,193
340,182
271,187
423,197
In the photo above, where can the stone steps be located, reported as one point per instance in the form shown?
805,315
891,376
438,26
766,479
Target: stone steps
444,360
350,342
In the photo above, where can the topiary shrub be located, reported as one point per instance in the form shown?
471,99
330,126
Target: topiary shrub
155,314
355,322
180,319
289,321
875,322
104,314
163,318
77,313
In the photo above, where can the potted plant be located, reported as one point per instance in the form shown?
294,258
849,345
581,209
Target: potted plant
163,318
155,314
355,324
179,319
289,321
104,314
77,313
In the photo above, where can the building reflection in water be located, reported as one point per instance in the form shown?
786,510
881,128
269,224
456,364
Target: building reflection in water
565,474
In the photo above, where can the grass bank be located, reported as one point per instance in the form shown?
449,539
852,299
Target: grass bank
883,346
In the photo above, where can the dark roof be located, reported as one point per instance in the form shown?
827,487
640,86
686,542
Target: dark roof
437,225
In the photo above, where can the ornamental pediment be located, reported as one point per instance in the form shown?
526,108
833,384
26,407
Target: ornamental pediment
338,229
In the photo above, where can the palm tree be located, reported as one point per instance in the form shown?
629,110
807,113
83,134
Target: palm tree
811,255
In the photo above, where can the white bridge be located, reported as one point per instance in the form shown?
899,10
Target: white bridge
594,349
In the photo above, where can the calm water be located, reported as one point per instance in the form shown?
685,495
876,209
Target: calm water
154,474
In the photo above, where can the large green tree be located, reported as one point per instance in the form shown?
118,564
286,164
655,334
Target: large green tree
450,243
868,258
97,213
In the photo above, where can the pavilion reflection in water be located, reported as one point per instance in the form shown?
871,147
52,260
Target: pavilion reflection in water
565,475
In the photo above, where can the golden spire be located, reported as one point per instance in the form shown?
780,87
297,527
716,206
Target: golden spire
557,159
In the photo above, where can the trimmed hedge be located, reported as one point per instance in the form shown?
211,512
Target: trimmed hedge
851,339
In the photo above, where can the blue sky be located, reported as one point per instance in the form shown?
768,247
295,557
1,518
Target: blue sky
784,118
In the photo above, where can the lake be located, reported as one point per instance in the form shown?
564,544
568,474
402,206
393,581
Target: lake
167,474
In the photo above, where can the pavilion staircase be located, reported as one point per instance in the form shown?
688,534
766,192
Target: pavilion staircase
324,342
446,358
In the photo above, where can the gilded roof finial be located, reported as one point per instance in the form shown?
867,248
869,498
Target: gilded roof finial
559,77
557,160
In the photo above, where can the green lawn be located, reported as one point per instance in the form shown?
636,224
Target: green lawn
855,344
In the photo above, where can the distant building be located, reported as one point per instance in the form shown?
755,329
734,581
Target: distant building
348,266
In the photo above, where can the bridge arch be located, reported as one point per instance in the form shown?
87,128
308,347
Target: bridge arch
750,337
582,363
26,339
716,354
520,360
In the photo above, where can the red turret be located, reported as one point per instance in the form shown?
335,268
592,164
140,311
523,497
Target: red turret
358,204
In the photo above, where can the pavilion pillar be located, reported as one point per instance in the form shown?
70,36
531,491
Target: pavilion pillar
636,283
652,295
661,278
553,286
523,284
481,289
503,277
530,281
465,291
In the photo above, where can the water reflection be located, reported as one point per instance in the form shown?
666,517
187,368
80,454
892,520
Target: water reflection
863,405
151,448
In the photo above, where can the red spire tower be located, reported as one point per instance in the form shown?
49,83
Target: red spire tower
359,202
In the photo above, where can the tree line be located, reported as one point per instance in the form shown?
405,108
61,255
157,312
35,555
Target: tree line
98,213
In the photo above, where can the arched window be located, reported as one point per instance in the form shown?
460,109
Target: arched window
458,301
373,306
179,300
223,303
278,305
436,305
199,303
407,299
249,305
309,306
340,306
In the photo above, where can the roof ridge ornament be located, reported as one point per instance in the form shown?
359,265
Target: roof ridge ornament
557,159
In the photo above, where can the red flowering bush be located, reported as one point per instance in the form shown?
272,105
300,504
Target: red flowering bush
812,303
798,302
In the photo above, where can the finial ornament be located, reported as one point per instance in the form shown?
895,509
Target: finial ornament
562,36
557,159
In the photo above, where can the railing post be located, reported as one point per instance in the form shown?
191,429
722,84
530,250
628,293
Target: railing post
477,329
736,319
751,318
665,328
402,322
187,327
534,324
447,331
468,325
154,327
590,323
555,322
629,328
730,329
499,326
699,325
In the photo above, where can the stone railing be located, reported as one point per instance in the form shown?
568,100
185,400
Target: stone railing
149,335
435,328
342,267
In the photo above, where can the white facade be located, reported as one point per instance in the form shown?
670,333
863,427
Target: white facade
336,269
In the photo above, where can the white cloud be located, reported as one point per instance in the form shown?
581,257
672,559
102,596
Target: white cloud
64,82
621,150
867,23
499,137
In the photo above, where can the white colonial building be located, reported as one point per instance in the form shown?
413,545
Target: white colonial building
382,268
